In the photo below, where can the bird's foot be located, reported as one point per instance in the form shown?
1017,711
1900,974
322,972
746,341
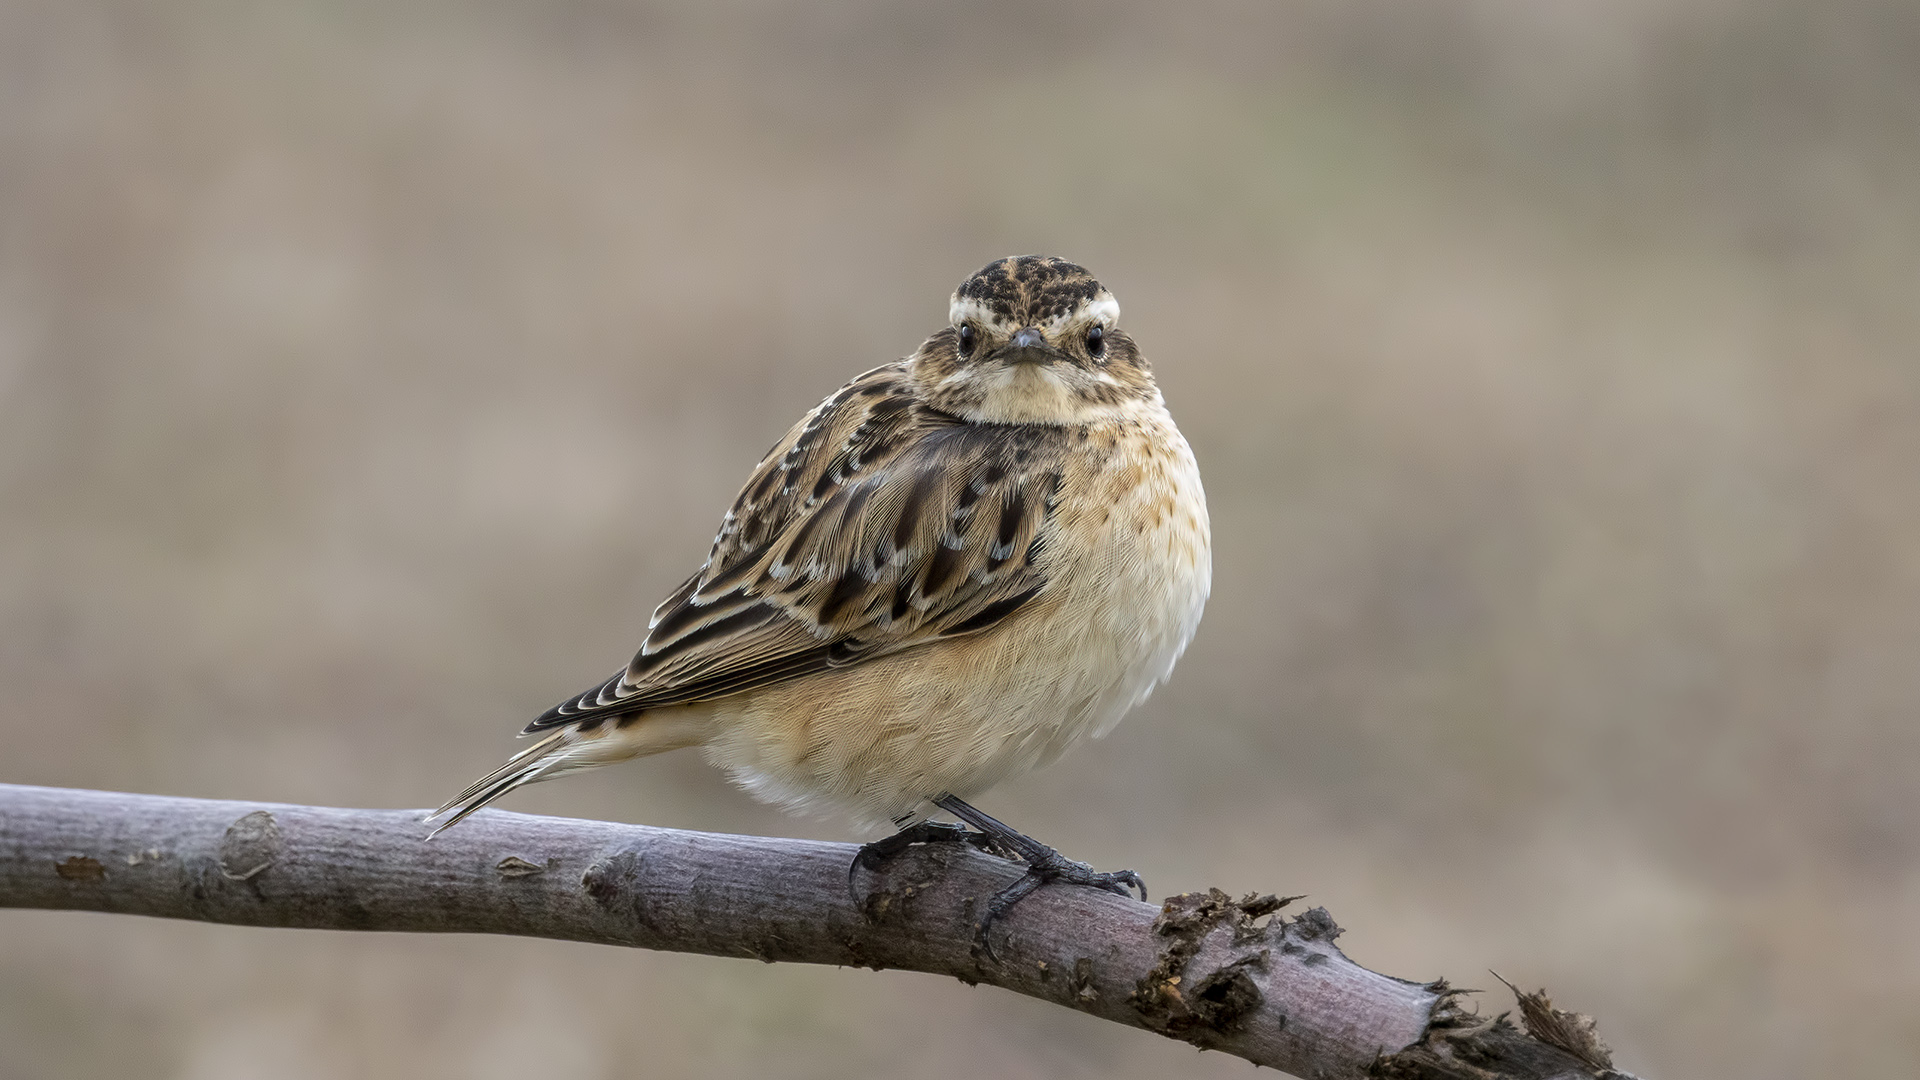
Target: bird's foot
875,856
1044,864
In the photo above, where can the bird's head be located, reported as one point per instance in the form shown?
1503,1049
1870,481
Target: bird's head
1032,340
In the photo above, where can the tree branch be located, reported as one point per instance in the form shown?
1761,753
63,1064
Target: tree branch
1223,975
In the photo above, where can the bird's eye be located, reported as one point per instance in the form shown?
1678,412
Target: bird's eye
1096,341
967,338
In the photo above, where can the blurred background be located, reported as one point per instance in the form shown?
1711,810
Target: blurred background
369,370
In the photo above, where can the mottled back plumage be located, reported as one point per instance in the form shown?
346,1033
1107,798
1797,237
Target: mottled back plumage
877,524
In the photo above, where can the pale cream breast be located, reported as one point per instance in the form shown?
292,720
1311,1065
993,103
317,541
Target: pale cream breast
1127,559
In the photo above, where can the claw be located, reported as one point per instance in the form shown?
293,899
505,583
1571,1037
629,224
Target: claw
1123,882
1044,865
1002,903
876,855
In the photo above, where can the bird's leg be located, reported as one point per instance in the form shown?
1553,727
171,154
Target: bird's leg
877,854
1044,864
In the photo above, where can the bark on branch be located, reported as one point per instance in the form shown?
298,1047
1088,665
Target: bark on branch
1237,977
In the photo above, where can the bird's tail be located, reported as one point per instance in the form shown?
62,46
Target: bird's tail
536,762
569,749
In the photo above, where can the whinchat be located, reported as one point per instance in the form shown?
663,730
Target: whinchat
954,568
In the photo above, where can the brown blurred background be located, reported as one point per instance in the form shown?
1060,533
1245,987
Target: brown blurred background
368,370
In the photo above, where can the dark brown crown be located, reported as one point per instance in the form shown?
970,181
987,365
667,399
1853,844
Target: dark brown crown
1029,290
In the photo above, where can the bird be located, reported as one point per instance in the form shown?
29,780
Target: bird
953,569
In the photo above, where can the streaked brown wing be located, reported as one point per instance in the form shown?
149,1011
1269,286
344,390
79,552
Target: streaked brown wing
876,525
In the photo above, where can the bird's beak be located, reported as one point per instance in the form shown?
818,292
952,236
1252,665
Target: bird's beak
1028,346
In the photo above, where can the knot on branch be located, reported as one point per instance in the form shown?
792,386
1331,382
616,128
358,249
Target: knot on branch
250,845
610,880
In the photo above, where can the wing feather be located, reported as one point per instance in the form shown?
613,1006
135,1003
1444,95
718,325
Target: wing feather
878,524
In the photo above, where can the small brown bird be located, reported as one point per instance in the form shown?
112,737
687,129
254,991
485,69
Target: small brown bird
953,569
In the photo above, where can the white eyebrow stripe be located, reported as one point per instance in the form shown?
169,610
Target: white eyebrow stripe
1103,309
965,309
